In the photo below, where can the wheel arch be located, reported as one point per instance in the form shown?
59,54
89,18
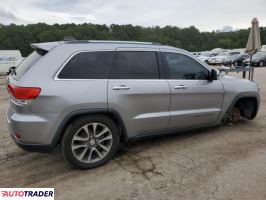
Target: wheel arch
242,97
113,114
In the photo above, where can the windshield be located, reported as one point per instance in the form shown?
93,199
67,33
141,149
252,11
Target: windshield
26,64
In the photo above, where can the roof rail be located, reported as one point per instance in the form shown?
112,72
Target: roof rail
76,41
109,42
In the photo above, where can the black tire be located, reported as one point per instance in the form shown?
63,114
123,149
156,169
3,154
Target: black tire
207,62
72,129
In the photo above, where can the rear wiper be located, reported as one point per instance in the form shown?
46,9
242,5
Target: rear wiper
12,70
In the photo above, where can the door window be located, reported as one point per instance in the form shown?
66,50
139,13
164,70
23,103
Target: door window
88,65
136,65
181,66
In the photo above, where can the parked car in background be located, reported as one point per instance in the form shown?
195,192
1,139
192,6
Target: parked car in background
96,93
223,58
218,51
218,59
258,60
205,56
236,60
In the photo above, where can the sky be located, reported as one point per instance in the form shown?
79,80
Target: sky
206,15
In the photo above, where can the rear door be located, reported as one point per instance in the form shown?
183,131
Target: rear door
195,101
137,92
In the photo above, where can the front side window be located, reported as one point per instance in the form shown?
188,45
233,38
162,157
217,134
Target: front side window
137,65
88,65
183,67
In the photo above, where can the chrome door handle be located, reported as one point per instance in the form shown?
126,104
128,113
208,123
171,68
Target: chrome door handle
121,87
180,87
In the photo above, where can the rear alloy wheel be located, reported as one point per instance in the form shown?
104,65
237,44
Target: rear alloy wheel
90,142
235,63
261,63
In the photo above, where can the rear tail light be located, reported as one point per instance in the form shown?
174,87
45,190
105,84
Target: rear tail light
17,136
23,93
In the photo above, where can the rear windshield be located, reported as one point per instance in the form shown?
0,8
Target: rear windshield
26,64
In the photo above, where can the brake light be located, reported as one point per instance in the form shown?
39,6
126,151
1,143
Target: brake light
23,93
17,136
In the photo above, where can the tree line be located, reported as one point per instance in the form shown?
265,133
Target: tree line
20,36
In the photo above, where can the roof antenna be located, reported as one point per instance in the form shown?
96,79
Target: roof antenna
69,38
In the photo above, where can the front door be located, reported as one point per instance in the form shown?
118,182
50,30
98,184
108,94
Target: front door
195,101
137,93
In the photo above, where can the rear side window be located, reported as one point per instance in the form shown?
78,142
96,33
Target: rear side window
181,66
27,63
88,65
136,65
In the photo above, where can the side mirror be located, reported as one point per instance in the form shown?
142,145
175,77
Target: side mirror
213,75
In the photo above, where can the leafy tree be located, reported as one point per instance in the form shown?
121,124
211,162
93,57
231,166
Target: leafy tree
20,36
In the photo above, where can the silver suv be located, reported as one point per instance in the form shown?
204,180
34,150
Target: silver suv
90,95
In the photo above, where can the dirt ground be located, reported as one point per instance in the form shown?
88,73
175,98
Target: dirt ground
226,163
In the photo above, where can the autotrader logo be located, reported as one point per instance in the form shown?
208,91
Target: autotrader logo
27,193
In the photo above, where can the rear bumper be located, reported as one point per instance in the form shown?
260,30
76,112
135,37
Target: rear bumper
32,147
31,129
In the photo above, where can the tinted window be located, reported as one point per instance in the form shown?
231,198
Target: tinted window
88,65
234,53
27,63
183,67
137,65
